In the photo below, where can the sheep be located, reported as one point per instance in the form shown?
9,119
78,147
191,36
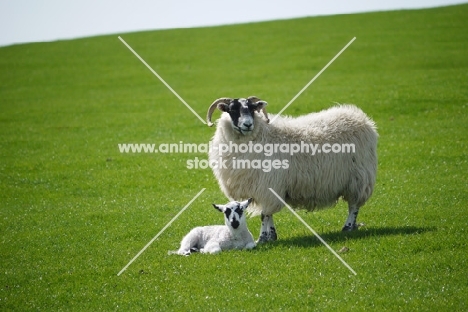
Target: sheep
303,180
215,238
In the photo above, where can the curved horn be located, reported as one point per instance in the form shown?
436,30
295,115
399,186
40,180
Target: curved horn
213,107
265,114
255,99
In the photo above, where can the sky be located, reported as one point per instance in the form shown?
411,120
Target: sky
49,20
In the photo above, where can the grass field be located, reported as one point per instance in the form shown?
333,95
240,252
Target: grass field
74,210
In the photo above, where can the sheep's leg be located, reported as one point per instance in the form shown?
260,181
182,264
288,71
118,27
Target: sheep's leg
272,233
263,230
267,231
350,223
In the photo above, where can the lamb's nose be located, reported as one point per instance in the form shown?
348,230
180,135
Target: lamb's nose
248,125
235,224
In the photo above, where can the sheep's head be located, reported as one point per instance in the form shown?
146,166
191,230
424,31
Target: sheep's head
241,112
234,212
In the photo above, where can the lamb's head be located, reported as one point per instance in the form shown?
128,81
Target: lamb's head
234,212
241,112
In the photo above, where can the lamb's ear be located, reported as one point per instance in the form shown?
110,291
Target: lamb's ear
246,203
219,207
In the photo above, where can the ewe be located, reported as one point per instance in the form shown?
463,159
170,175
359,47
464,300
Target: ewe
215,238
308,180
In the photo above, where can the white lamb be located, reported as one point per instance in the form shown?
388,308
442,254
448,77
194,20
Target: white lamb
303,179
215,238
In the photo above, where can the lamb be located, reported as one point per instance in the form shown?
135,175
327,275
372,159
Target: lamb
303,180
215,238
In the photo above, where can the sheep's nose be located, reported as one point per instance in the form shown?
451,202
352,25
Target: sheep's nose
248,125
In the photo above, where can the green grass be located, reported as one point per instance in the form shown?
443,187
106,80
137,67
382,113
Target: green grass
74,210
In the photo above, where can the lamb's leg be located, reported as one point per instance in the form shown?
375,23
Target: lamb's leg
267,231
189,243
184,250
350,224
212,248
185,247
250,246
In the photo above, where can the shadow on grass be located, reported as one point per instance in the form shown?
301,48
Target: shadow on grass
339,236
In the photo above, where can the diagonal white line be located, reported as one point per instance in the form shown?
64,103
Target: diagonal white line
313,232
160,232
313,79
162,80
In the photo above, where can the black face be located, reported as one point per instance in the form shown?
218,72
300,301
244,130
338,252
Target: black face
242,112
233,215
233,212
239,211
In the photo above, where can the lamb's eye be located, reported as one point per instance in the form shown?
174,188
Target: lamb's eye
227,212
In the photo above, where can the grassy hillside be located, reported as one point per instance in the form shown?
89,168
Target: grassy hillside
74,210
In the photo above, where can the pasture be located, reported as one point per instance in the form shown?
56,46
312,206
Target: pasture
74,210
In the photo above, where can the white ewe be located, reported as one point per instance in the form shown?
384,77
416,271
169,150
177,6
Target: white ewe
303,179
215,238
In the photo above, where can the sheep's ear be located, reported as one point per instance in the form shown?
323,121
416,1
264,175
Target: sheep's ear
218,207
260,105
223,107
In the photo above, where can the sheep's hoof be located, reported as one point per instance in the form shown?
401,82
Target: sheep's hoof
264,237
272,235
348,228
